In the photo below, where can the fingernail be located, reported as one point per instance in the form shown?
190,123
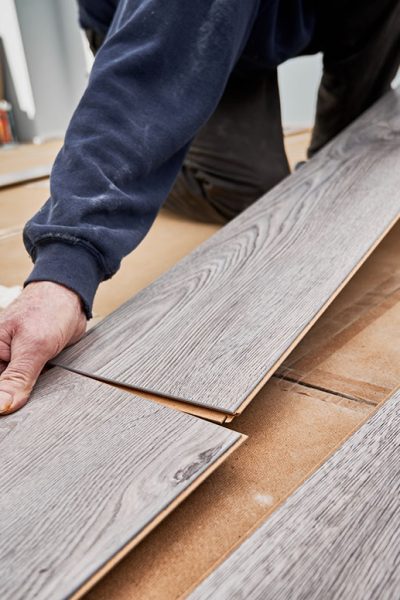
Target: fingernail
5,401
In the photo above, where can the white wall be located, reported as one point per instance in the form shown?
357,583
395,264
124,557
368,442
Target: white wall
46,69
14,50
298,81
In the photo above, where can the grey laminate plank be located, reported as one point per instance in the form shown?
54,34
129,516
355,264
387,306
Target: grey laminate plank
24,176
87,470
216,326
336,537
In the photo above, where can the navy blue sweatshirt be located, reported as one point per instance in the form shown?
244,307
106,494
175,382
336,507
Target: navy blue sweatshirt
155,81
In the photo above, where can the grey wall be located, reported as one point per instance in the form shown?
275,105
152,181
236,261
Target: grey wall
56,64
298,81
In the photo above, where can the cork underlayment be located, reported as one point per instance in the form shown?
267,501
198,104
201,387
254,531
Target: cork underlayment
345,365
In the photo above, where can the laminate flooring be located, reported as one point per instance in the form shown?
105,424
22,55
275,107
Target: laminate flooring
213,329
87,470
336,537
25,175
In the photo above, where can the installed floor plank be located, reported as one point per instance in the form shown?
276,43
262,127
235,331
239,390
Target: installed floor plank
87,471
290,429
336,537
213,329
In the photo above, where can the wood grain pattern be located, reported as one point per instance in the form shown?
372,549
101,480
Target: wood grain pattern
336,537
213,329
87,470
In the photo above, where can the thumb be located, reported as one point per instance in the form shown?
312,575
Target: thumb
18,379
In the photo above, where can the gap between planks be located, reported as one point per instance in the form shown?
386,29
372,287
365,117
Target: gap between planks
326,389
186,407
214,415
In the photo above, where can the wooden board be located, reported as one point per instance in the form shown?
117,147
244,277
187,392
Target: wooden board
213,329
87,471
354,347
337,536
291,430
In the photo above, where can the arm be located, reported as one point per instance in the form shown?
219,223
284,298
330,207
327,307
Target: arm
155,81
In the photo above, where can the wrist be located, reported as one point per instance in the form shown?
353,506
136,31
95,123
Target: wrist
50,289
73,267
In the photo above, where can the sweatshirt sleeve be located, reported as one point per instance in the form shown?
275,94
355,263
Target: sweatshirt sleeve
155,81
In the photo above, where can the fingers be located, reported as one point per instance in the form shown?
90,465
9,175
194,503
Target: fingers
19,377
34,329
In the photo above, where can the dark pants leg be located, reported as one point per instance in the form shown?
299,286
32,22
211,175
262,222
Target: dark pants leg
95,39
237,156
360,41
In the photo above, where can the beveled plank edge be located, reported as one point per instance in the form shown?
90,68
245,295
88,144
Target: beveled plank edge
110,564
264,518
210,414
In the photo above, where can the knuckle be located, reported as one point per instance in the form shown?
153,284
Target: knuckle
16,375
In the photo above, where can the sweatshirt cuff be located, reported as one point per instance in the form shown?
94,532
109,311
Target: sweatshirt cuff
73,266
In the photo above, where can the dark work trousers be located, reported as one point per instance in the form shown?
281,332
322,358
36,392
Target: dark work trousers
239,154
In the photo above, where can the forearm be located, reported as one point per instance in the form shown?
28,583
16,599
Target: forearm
155,81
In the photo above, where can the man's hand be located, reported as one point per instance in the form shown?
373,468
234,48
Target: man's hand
33,329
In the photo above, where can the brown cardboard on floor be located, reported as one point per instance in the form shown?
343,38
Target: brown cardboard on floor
18,204
296,145
291,429
170,238
27,156
15,263
354,348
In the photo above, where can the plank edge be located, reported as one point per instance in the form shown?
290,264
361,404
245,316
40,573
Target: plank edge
239,409
264,518
109,565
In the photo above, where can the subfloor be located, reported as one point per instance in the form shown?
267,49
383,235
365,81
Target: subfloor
346,365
